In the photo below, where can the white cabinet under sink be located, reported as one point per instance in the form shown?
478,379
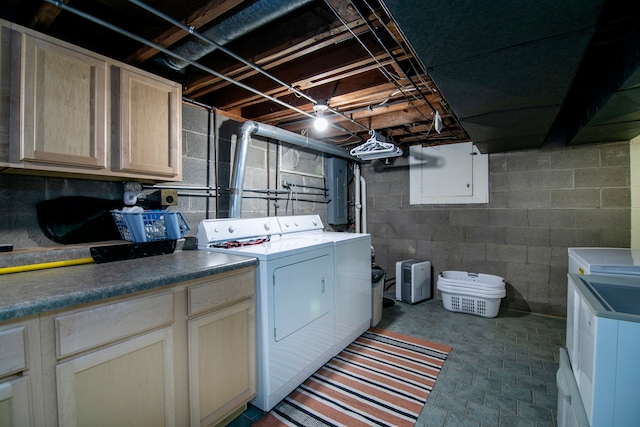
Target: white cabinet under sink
603,330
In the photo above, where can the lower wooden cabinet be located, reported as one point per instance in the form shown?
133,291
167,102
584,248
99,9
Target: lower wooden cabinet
15,403
20,374
127,384
222,346
222,373
180,355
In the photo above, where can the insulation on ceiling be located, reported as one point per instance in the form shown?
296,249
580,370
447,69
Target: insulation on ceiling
504,66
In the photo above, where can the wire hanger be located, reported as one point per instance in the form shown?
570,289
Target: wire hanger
376,147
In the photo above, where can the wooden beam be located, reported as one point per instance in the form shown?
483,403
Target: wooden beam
365,100
401,114
45,15
197,19
311,82
282,55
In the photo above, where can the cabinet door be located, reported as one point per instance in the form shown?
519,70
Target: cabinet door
222,353
127,384
15,405
5,85
20,388
63,107
150,121
101,324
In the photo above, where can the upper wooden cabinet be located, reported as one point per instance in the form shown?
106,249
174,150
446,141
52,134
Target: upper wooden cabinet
73,111
5,84
63,114
150,124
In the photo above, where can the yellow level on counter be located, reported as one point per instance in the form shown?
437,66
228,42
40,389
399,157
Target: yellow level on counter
42,266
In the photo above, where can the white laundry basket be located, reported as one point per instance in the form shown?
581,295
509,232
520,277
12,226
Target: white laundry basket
472,293
471,279
464,290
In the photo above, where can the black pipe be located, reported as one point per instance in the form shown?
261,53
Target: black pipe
283,198
210,118
290,184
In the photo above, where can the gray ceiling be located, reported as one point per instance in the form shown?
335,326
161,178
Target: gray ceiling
522,74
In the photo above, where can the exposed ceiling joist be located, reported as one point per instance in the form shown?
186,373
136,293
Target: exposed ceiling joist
506,75
196,19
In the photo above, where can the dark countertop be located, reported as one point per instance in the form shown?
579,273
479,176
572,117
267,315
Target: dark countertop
32,292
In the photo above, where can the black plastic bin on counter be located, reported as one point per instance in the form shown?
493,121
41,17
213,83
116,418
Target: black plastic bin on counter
377,291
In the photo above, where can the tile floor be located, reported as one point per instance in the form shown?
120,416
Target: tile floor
501,371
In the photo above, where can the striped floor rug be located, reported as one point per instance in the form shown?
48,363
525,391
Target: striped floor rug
382,379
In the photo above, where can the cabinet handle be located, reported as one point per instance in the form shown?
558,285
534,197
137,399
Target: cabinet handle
6,391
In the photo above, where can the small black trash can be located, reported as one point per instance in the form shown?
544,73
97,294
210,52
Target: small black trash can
377,291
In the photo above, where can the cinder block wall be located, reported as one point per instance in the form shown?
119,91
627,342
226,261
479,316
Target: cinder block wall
635,192
208,149
198,164
542,202
20,193
209,143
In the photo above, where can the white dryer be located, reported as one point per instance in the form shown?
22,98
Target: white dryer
295,299
352,265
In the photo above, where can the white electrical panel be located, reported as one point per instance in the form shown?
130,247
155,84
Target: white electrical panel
448,174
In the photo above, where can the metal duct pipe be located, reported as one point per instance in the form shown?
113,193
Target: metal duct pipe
363,197
358,206
242,148
254,16
239,168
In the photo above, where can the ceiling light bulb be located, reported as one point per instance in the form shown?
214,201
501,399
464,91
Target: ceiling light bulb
320,123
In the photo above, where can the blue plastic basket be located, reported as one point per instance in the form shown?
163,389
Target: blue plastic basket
150,226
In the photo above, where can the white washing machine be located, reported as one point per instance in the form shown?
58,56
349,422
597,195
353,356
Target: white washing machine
353,285
295,317
616,262
352,264
604,349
